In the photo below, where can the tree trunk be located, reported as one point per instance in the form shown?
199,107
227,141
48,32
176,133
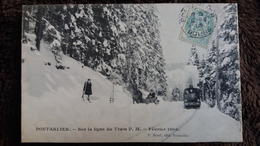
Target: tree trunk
39,26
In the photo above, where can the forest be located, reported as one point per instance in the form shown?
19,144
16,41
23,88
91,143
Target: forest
120,41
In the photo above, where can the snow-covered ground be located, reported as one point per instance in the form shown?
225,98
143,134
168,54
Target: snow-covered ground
51,98
194,125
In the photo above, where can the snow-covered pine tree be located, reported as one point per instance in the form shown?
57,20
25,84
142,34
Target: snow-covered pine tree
194,58
105,17
229,100
117,43
27,18
83,29
43,29
145,66
209,76
67,29
39,26
201,68
73,23
131,46
120,41
48,31
157,61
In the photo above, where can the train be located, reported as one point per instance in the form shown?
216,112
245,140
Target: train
192,97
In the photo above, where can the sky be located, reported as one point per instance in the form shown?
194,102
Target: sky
175,50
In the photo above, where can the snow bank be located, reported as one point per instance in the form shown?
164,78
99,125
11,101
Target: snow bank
52,97
216,126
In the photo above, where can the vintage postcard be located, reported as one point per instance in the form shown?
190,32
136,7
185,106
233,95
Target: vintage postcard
131,73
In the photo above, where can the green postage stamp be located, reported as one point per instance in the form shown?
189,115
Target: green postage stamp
198,27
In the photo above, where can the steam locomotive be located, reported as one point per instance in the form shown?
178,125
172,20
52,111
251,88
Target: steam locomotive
192,97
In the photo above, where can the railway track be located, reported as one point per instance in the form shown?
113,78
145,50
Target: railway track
180,126
186,120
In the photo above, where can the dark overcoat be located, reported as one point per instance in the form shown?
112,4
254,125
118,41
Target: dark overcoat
87,88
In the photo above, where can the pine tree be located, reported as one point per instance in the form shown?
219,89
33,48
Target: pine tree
202,67
145,67
29,18
209,75
222,66
194,58
229,64
120,41
25,20
202,70
39,26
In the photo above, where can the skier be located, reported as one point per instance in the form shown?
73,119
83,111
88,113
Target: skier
87,90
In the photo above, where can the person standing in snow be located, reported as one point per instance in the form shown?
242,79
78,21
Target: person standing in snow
87,90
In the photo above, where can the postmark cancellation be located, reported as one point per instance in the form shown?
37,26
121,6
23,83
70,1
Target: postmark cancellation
198,27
